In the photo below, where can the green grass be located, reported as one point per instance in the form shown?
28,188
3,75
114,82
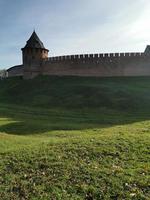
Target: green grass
75,138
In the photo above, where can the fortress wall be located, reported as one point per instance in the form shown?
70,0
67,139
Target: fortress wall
113,64
139,66
94,56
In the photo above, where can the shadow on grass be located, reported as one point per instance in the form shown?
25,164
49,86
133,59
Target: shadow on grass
26,128
39,126
29,121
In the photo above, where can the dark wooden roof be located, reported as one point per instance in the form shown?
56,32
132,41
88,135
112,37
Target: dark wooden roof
17,67
34,42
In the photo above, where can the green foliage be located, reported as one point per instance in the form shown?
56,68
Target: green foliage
75,138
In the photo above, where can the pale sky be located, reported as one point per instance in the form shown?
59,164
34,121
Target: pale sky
73,26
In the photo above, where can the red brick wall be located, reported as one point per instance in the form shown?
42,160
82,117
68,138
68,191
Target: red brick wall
128,64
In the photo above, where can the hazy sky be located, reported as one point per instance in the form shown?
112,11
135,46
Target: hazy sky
73,26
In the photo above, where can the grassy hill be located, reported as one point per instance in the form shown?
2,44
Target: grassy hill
77,92
75,138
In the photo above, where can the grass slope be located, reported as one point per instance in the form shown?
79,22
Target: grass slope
75,138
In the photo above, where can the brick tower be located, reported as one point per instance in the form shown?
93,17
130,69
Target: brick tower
34,54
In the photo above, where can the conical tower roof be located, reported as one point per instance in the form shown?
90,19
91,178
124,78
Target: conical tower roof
147,50
34,42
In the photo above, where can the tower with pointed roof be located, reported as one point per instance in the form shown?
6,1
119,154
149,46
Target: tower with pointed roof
34,54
